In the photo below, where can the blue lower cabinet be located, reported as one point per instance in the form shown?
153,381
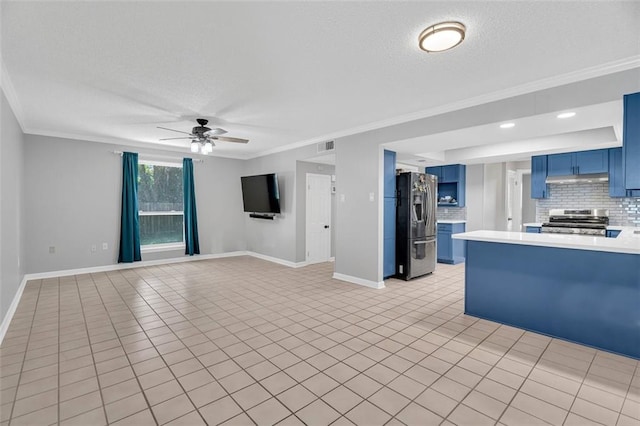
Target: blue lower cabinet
572,297
533,229
612,233
444,247
449,250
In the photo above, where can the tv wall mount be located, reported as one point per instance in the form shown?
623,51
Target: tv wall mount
267,216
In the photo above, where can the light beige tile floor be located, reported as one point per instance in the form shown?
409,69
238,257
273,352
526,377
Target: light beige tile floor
244,341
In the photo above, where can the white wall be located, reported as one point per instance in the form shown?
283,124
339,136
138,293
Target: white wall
528,203
72,201
279,237
475,197
486,197
494,210
359,220
12,264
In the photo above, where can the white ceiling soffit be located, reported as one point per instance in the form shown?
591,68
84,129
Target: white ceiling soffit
512,151
285,73
544,133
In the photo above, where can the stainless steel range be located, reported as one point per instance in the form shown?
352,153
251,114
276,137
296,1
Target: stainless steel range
582,222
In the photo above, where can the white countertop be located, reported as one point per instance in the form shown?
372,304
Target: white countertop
451,221
535,225
626,242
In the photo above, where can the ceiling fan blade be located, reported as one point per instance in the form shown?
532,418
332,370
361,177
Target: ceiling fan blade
228,139
215,132
179,131
170,139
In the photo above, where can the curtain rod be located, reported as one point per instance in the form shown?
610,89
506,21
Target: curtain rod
166,157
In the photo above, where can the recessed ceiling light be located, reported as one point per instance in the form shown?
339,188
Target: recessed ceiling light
507,125
566,115
441,37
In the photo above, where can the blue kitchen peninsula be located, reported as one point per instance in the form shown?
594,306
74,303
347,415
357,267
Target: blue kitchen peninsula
579,288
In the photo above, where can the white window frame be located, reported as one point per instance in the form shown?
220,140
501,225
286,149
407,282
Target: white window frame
151,248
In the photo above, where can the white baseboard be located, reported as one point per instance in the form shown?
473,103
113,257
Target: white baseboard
141,264
12,308
277,260
359,281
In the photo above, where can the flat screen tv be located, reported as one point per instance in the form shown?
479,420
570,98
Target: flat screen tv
260,193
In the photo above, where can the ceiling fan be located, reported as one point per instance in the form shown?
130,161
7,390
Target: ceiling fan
203,137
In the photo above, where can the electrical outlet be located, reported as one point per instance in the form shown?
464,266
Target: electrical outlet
105,246
372,196
342,198
52,249
94,248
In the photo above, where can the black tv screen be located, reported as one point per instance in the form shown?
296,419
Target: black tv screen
260,193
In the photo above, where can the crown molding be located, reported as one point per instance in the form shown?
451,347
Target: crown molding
542,84
10,92
127,143
523,89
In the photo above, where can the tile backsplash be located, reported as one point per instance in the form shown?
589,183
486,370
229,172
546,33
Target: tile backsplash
622,211
451,213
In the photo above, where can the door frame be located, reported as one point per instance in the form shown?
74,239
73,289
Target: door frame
308,221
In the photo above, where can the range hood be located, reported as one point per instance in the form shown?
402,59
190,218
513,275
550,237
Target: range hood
593,177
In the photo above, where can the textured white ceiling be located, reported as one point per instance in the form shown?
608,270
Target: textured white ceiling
279,73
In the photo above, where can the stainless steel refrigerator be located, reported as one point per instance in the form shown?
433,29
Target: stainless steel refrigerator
415,224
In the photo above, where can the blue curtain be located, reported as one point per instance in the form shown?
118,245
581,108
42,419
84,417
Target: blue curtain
129,222
192,246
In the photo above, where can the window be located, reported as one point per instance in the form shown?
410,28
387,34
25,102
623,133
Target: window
160,203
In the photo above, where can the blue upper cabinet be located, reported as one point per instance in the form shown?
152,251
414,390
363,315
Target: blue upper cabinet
539,176
631,141
389,174
578,163
560,164
451,174
596,161
436,171
616,176
451,183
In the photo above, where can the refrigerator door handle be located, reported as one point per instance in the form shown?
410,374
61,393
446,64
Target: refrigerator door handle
424,242
429,209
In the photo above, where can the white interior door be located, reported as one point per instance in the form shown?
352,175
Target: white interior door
318,218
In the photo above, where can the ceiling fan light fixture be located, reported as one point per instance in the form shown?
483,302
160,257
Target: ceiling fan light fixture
207,147
195,146
442,36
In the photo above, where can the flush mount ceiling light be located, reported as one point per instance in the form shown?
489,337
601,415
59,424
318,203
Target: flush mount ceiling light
507,125
566,115
442,36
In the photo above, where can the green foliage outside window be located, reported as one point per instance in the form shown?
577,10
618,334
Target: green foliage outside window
160,192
